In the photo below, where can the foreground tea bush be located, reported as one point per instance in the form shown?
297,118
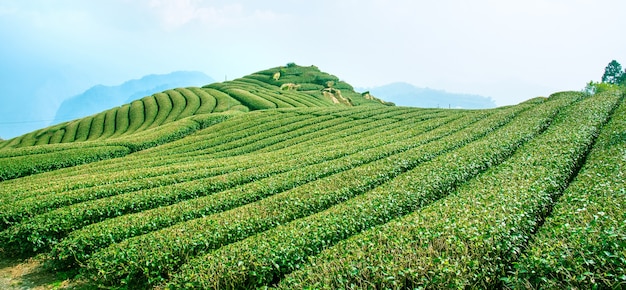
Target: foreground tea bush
104,202
27,202
152,257
470,238
583,243
41,231
142,165
334,159
267,256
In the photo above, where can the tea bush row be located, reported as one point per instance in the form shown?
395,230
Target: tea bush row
337,158
265,257
583,242
135,260
471,238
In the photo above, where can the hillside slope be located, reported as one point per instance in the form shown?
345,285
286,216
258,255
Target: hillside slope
170,115
297,87
338,196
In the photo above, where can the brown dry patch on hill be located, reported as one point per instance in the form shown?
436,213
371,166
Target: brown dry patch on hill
17,274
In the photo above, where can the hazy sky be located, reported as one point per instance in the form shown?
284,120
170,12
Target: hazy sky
508,50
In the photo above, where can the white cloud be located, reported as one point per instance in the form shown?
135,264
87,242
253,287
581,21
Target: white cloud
174,15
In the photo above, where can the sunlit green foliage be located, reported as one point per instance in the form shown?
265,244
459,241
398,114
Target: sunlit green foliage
109,124
583,242
269,255
192,103
471,238
136,116
96,129
242,184
18,166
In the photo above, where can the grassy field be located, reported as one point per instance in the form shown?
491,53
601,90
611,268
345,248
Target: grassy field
264,182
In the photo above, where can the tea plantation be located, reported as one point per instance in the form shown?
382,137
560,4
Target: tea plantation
288,178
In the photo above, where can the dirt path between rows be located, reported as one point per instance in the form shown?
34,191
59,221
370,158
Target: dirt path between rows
29,274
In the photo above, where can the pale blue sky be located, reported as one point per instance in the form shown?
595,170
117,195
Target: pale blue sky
508,50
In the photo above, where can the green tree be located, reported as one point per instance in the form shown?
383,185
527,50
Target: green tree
613,73
596,88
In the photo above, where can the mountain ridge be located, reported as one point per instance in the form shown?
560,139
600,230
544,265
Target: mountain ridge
406,94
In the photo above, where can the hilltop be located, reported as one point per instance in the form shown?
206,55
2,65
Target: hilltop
289,179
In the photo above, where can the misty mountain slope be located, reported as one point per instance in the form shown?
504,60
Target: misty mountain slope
100,97
404,94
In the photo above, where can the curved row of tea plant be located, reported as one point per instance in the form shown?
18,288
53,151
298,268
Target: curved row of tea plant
347,155
245,94
583,242
109,173
18,209
18,166
26,161
140,115
471,238
136,259
267,256
161,190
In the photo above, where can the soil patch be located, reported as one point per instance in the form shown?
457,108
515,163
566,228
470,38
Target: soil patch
20,274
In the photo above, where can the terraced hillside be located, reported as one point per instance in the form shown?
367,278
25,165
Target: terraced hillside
171,115
281,87
327,196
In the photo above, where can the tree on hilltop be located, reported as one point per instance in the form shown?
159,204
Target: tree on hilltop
613,73
612,79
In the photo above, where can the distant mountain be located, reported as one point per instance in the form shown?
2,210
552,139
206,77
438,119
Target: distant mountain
404,94
99,98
